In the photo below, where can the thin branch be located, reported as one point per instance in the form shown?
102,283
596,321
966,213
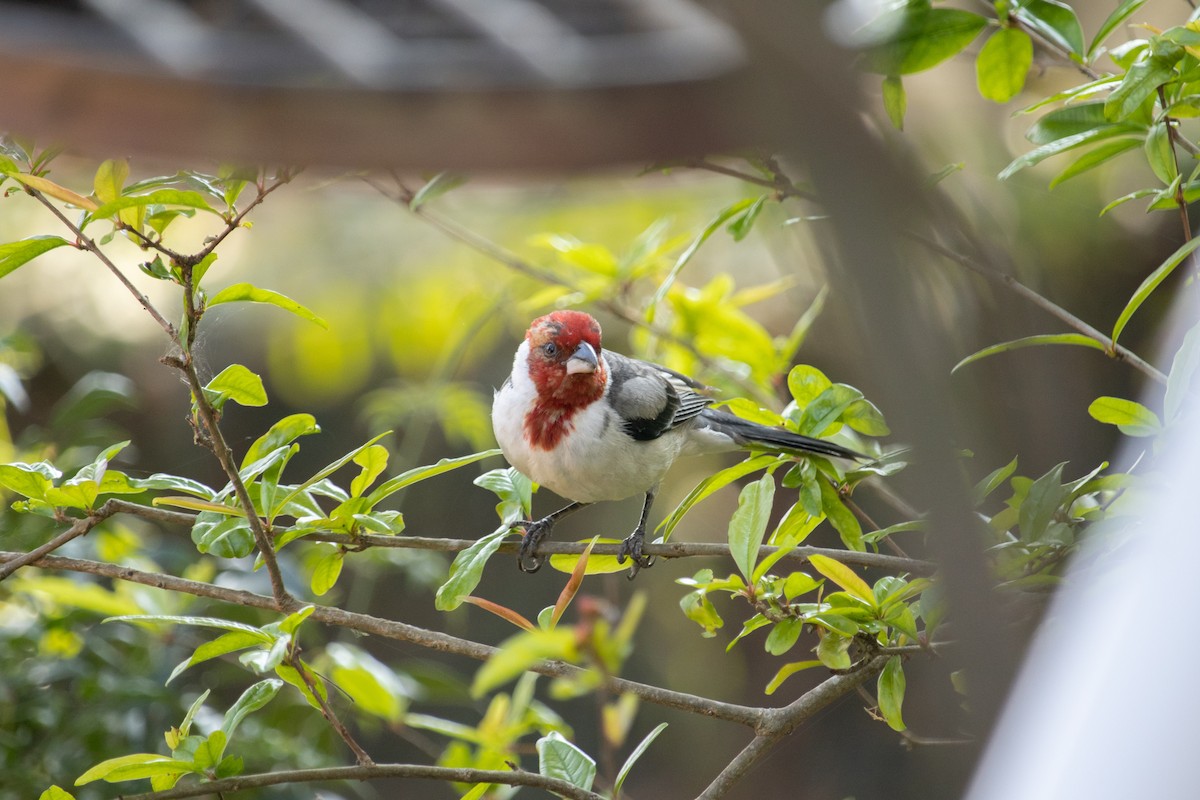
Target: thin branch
780,722
360,755
399,631
1117,351
372,772
79,528
90,245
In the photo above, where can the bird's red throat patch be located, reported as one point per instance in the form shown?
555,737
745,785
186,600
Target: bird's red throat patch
560,395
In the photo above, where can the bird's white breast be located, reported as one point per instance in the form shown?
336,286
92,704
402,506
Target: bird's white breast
595,460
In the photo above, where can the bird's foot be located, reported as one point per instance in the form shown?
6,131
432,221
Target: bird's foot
631,548
535,531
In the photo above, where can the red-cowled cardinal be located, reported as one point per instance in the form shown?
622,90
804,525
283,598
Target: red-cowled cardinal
595,425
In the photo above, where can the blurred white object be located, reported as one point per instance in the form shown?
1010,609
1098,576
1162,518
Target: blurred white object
1105,705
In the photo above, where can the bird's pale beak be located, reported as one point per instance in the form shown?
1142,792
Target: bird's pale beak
584,359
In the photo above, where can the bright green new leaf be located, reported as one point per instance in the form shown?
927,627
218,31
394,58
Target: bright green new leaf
844,577
239,384
373,461
52,189
25,481
1132,418
1077,339
559,758
56,793
637,752
133,767
748,526
1180,381
1003,63
805,383
166,197
371,684
283,432
895,101
1151,283
327,569
787,671
248,293
824,413
917,38
519,653
596,564
110,179
890,689
994,479
467,569
210,751
865,417
16,254
224,644
699,609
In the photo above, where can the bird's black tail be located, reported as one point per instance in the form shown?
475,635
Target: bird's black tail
752,434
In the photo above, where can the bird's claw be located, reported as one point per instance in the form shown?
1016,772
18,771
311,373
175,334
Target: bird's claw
631,548
535,531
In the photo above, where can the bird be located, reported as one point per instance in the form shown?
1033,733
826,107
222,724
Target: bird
594,425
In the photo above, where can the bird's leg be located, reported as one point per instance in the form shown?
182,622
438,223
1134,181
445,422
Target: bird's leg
632,546
535,531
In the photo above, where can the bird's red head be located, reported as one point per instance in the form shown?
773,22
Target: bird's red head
567,370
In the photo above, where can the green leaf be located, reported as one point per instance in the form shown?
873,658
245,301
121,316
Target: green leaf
1040,154
1182,376
844,577
222,536
558,758
1043,500
1054,20
895,100
1093,158
699,609
210,751
806,383
1114,20
748,526
248,293
1003,63
239,384
1070,120
917,38
787,671
519,653
226,643
16,254
637,752
1140,83
840,517
1151,283
834,651
132,767
165,197
283,432
327,569
371,684
822,415
1133,419
1077,339
1160,153
741,225
437,186
890,688
56,793
110,179
250,701
467,569
418,474
52,189
25,480
709,485
783,636
373,461
865,417
993,481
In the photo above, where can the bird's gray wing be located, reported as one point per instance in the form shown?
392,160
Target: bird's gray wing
649,399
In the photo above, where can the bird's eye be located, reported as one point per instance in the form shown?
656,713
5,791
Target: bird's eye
550,349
